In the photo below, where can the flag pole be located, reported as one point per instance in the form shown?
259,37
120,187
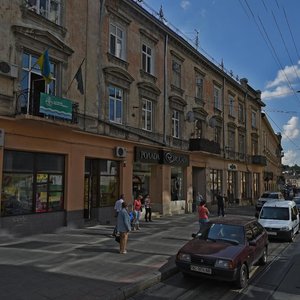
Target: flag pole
74,76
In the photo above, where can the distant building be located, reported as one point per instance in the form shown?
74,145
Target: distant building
131,108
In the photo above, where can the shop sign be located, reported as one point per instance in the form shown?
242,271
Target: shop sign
176,159
55,106
148,155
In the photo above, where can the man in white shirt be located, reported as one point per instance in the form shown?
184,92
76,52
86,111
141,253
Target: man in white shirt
118,208
118,204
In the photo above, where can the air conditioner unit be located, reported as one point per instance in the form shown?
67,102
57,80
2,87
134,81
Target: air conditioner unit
9,70
120,152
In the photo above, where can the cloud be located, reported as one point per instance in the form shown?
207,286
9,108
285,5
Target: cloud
291,130
279,92
185,4
291,158
289,72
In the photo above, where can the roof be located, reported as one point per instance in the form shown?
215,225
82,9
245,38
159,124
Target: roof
234,220
276,203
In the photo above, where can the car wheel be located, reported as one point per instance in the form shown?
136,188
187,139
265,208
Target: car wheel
242,279
264,258
291,236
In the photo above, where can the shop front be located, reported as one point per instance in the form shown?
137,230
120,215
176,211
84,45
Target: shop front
161,173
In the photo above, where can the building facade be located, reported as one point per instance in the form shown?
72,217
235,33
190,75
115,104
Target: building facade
131,108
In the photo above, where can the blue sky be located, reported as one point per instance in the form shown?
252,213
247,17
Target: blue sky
255,39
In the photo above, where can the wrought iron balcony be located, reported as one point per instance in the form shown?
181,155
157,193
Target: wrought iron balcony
204,145
47,106
259,160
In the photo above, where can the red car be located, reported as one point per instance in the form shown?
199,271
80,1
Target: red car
225,249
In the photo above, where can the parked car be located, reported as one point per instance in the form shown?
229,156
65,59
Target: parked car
280,219
297,201
225,249
268,196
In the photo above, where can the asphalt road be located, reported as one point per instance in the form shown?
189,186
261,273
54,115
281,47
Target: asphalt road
279,279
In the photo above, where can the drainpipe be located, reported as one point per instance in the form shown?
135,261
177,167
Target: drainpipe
165,90
99,51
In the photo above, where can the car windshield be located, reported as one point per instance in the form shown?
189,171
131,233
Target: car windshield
273,196
275,213
226,232
265,195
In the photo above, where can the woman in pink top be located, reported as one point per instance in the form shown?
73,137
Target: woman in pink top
203,213
137,207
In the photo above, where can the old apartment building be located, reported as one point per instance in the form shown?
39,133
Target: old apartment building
131,107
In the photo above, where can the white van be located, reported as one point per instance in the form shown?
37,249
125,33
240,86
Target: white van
280,219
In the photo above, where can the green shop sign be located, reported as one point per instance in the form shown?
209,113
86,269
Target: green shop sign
55,106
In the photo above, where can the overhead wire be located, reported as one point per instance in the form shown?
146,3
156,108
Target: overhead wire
291,33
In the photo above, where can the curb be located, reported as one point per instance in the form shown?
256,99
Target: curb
135,288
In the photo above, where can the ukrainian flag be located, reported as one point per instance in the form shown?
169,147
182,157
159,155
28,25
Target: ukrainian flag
44,63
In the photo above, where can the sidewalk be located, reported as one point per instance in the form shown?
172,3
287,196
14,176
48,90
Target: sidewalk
85,264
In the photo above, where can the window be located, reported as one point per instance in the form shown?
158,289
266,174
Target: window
33,84
199,86
176,69
255,187
217,134
215,182
231,105
241,113
176,183
147,115
253,119
175,124
32,182
199,125
117,41
147,59
115,104
50,9
254,146
242,146
217,98
231,140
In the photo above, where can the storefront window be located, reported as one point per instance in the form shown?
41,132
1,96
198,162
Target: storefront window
141,179
32,183
17,192
216,183
176,183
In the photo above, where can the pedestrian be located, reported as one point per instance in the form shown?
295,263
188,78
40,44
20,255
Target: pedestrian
118,208
147,205
203,213
137,209
199,198
220,202
123,225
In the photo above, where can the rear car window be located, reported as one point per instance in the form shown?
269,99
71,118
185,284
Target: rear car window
265,195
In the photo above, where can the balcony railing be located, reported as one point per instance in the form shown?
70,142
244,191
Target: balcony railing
204,145
259,160
30,104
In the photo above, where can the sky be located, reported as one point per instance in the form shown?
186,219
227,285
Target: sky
255,39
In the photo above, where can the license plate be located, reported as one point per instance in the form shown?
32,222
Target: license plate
201,269
271,233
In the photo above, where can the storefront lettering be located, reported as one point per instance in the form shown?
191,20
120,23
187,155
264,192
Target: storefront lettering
150,155
173,158
161,157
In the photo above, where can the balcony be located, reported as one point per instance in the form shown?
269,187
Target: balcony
204,145
47,106
259,160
